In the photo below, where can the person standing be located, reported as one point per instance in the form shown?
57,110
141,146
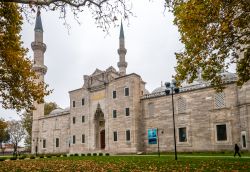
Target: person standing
237,150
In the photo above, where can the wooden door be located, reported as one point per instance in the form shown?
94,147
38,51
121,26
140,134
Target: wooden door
102,136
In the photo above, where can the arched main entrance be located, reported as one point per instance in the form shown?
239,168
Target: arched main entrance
99,128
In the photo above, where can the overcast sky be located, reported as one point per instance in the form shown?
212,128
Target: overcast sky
151,40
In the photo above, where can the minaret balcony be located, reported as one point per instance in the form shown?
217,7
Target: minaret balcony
122,64
38,46
122,51
40,68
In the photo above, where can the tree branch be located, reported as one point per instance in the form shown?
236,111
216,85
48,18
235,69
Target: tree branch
72,3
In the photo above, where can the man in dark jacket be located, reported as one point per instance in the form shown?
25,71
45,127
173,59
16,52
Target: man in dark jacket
236,150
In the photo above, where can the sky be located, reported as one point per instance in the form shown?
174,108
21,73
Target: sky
151,40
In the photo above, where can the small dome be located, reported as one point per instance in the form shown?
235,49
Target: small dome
66,109
159,89
186,84
228,76
56,111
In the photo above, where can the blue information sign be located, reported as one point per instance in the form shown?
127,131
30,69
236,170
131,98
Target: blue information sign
152,136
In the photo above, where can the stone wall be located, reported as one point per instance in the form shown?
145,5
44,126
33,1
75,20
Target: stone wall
200,119
51,128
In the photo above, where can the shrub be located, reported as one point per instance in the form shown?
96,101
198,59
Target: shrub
76,154
100,154
21,157
13,158
58,155
2,159
41,156
88,154
65,155
48,156
32,157
107,154
82,154
71,154
94,154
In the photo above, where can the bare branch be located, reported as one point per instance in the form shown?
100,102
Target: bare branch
105,12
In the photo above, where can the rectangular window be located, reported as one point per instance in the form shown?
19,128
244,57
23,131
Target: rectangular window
244,145
74,120
127,111
114,94
57,142
83,101
221,132
74,139
83,119
115,136
83,138
127,135
182,134
126,91
114,113
44,143
74,104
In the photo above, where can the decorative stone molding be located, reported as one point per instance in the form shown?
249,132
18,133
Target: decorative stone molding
40,68
38,46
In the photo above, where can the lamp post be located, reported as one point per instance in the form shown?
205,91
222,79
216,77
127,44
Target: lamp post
171,88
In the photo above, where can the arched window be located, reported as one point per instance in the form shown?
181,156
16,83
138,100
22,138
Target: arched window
219,100
151,109
181,103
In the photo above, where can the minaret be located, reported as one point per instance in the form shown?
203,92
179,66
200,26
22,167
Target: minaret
122,64
40,69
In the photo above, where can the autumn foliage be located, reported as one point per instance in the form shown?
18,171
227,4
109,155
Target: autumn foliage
18,89
216,34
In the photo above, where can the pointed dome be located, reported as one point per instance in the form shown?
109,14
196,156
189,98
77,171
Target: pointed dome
38,26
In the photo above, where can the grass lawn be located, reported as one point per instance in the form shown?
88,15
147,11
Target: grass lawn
129,163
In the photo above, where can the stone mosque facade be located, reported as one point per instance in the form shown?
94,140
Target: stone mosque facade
113,112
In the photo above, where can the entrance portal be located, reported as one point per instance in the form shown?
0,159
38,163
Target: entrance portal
102,139
99,128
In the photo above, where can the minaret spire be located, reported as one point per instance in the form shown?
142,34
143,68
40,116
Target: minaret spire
38,26
122,64
40,69
121,32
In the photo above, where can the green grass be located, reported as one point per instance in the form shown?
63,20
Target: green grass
225,153
129,163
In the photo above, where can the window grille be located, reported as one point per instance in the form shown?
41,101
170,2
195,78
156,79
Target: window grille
219,100
181,105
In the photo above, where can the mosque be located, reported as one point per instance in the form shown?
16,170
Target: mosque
113,112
